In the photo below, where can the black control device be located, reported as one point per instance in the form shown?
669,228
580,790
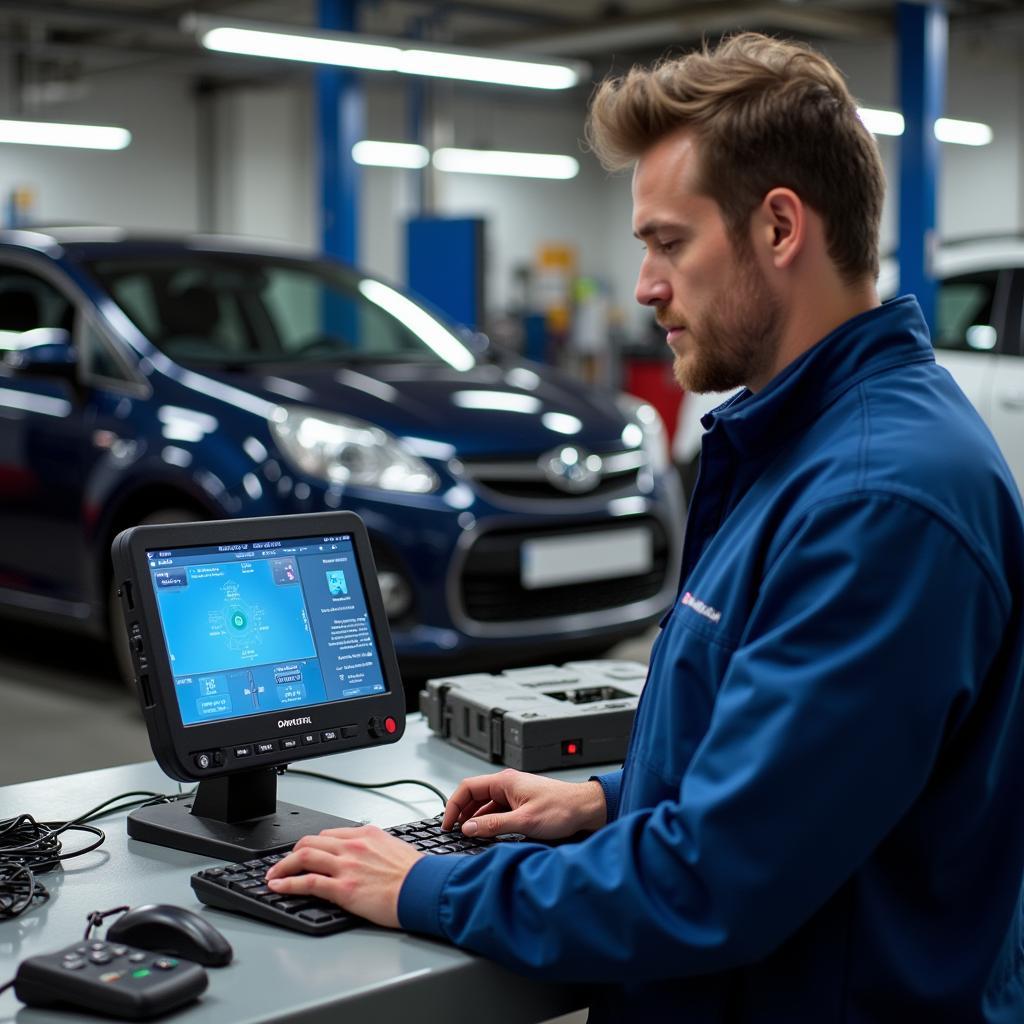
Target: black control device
109,978
255,643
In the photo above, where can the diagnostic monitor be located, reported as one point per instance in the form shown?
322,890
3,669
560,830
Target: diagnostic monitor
255,643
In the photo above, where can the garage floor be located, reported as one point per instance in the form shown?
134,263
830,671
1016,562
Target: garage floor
62,709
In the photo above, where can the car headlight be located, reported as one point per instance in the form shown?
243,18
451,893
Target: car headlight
645,430
344,450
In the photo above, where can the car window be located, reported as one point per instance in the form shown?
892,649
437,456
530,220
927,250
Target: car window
28,302
964,317
179,311
98,358
241,310
308,317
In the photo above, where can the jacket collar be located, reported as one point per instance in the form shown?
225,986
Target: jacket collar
893,334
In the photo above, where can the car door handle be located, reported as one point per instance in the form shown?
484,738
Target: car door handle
1013,399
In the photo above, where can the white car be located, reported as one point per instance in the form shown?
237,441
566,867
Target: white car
979,340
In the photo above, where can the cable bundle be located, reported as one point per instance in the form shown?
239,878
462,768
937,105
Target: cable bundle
29,848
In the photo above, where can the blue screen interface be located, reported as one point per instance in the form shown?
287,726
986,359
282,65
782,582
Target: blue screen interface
265,626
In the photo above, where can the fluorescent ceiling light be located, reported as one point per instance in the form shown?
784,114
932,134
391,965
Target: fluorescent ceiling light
353,50
496,70
430,331
390,154
517,165
76,136
965,133
306,48
947,129
881,122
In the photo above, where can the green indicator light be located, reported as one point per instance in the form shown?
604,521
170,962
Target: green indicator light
141,973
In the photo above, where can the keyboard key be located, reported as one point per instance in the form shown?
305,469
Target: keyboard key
316,915
245,883
291,906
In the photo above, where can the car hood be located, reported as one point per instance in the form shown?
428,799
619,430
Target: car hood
512,408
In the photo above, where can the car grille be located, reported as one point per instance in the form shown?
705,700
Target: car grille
525,479
492,592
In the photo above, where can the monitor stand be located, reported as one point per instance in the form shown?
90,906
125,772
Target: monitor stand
234,817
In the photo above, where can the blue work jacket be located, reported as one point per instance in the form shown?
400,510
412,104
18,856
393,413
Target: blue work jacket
821,814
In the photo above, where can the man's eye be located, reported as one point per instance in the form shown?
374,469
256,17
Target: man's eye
668,247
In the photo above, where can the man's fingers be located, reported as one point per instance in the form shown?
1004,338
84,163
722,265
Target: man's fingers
304,885
469,795
487,825
313,853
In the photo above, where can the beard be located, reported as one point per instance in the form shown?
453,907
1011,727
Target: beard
736,340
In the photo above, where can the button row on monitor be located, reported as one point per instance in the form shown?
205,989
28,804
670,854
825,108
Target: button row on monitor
207,759
291,742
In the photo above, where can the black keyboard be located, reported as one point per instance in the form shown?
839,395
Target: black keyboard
242,887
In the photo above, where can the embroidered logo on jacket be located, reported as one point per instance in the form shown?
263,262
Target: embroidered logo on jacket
709,613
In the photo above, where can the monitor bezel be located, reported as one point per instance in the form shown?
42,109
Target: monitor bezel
175,744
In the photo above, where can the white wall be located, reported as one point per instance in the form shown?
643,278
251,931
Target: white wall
265,172
153,183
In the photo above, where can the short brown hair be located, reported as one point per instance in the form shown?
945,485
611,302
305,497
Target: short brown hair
768,113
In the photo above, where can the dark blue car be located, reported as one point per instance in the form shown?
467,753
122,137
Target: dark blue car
515,515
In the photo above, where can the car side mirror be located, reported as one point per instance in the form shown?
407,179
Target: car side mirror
43,352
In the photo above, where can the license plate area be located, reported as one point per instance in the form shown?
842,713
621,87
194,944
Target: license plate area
602,555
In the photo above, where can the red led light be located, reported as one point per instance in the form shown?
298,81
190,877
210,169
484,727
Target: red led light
390,725
571,748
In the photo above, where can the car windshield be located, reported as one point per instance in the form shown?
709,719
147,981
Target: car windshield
235,310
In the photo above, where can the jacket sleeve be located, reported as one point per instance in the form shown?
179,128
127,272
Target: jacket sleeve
611,783
873,629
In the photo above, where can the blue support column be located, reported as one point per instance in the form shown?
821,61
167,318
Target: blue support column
923,45
341,122
418,111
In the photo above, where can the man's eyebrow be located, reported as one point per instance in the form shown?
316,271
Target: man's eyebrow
654,226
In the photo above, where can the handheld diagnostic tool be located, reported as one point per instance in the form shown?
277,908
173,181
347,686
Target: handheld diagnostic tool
255,643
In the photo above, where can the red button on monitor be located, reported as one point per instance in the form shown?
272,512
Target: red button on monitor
390,725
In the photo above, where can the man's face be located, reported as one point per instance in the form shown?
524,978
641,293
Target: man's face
712,298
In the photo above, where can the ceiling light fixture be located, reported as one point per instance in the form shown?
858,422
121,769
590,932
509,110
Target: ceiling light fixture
963,133
343,49
76,136
390,154
516,165
947,129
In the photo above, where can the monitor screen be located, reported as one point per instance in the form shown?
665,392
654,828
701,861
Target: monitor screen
265,626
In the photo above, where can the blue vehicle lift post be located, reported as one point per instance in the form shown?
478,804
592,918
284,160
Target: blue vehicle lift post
341,122
923,46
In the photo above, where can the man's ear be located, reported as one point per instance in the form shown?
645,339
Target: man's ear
782,226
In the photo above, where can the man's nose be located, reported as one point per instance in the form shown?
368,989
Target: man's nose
651,287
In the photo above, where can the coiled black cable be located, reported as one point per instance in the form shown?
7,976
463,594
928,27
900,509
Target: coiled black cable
29,848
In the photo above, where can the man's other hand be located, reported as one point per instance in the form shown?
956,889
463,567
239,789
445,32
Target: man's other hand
360,869
511,801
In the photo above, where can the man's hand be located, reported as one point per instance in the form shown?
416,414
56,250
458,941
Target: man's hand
360,869
511,801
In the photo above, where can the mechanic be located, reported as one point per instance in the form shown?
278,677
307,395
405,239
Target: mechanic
820,815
